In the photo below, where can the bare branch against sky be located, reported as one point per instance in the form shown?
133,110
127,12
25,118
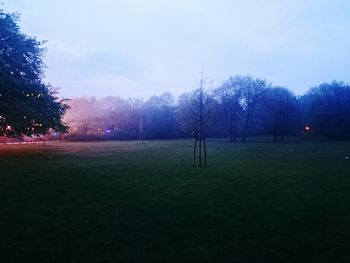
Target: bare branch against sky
138,48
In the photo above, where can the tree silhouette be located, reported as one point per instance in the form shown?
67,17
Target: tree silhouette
27,105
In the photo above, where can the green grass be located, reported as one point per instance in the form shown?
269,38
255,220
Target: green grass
133,202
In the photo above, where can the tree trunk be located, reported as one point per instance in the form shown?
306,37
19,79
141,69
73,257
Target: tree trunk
282,132
230,130
245,130
235,132
276,131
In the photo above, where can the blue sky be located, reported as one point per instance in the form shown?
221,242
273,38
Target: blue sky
135,48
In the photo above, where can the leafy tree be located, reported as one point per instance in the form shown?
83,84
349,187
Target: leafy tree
328,109
159,117
27,105
84,118
280,106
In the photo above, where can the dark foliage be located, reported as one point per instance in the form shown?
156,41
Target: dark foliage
327,109
28,106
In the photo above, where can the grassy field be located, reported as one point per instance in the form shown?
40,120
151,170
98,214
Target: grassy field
133,202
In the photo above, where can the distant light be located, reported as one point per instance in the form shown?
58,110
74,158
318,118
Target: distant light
8,127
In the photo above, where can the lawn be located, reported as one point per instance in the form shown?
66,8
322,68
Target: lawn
133,202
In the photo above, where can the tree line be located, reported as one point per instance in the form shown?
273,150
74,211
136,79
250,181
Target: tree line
241,106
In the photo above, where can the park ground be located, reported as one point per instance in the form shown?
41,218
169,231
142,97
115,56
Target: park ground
133,202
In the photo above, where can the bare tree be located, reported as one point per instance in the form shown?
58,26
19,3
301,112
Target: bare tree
252,91
196,110
230,96
135,126
196,105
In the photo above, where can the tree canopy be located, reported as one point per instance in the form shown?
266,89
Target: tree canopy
327,108
28,106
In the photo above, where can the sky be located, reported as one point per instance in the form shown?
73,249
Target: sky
139,48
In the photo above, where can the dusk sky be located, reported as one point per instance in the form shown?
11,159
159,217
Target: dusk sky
135,48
